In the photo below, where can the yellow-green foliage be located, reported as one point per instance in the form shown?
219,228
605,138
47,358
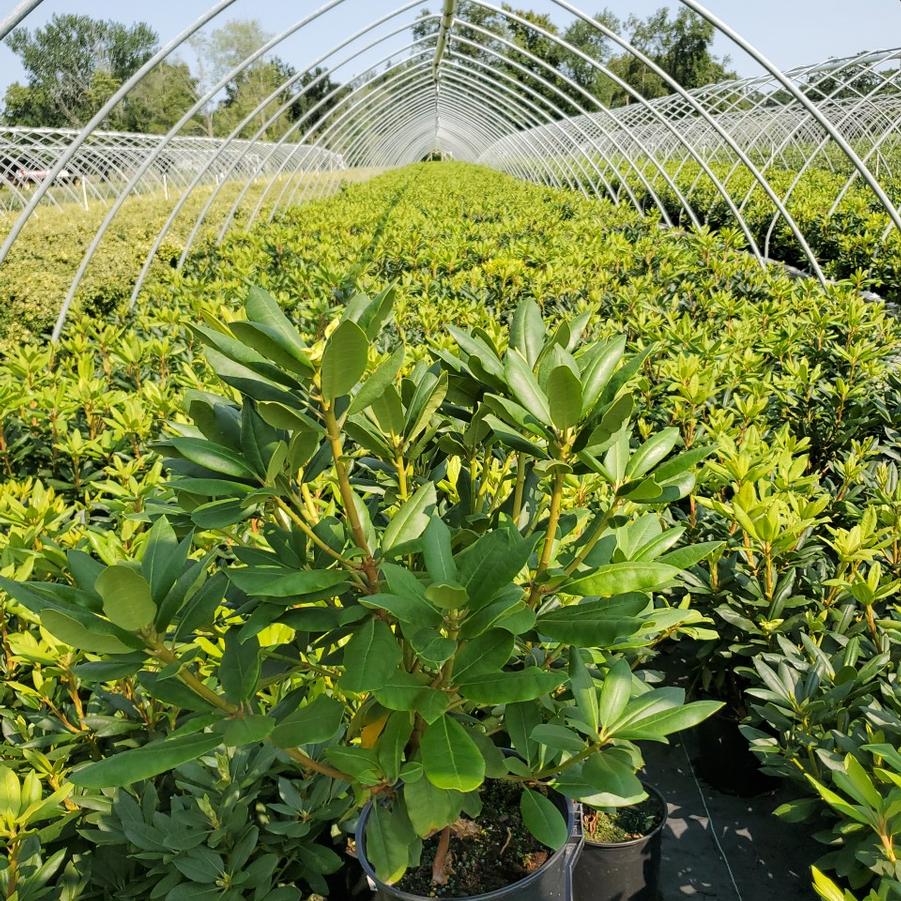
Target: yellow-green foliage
43,261
794,386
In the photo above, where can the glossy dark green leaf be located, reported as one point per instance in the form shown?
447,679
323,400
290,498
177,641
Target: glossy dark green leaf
145,762
239,669
371,655
316,722
450,757
543,819
343,360
510,687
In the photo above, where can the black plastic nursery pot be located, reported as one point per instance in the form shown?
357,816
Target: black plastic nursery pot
621,871
725,761
553,881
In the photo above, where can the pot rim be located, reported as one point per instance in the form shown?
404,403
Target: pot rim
651,790
507,891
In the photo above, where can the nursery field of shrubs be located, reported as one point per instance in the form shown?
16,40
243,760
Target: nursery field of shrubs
366,542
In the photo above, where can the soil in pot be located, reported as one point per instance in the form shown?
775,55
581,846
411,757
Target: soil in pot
486,854
623,824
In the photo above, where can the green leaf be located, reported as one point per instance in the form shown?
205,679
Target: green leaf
437,552
76,634
403,607
491,563
164,558
651,452
485,654
261,307
270,343
408,691
370,656
558,738
343,360
594,624
525,386
239,669
284,582
622,578
392,742
564,395
373,388
126,597
508,688
450,758
447,597
581,684
213,457
600,361
411,519
391,841
247,731
388,410
686,557
431,808
615,692
543,819
662,723
318,721
612,779
527,331
431,646
10,794
145,762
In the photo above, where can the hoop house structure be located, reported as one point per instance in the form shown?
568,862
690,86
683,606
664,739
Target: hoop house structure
475,82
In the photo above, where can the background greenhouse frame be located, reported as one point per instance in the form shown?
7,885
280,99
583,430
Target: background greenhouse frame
428,98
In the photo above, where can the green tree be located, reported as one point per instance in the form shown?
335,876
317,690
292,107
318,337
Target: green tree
160,99
72,66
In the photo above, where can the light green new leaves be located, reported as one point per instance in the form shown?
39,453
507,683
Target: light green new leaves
343,360
450,758
126,597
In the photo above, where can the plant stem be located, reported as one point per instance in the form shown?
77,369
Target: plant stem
164,654
305,528
520,487
439,865
593,539
333,434
547,550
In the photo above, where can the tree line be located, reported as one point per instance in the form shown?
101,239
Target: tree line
75,63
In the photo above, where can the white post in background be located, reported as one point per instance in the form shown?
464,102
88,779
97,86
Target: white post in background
165,186
84,191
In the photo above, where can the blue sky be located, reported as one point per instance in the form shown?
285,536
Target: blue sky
790,32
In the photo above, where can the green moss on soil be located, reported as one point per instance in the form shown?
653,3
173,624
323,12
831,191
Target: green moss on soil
623,824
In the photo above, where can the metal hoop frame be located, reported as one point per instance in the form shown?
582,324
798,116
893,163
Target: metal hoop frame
463,90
